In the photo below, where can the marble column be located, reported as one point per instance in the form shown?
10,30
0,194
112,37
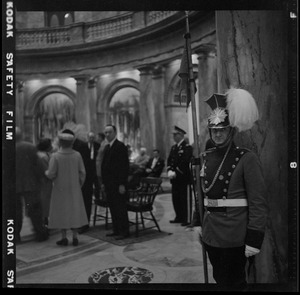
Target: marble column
20,104
159,111
207,85
82,107
93,103
146,107
28,129
252,54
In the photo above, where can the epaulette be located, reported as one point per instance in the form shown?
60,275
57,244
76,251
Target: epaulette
245,150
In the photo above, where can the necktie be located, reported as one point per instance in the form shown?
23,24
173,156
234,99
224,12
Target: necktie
92,150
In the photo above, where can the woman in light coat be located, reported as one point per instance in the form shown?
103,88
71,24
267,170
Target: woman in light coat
66,169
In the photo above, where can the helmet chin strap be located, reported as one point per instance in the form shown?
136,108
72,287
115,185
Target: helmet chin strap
227,141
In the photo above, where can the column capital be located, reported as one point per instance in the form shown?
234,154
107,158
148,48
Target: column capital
146,69
92,82
157,72
206,50
81,78
20,85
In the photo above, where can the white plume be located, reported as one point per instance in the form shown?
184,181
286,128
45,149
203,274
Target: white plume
242,109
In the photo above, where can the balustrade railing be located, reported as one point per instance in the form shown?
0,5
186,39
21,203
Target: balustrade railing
80,33
157,16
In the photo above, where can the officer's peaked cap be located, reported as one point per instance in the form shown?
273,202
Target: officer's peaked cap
178,130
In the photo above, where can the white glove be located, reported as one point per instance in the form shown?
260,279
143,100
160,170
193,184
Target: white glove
198,230
250,251
171,174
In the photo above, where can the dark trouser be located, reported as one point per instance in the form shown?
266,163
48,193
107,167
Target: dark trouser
118,209
179,199
34,209
91,186
228,265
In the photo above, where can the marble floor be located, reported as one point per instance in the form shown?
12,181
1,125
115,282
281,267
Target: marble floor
170,258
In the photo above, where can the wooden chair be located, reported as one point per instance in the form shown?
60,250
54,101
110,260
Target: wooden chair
101,202
141,200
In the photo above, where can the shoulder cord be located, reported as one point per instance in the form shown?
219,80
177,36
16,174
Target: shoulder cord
218,171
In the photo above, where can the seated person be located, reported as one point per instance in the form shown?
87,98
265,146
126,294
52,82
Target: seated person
137,169
155,165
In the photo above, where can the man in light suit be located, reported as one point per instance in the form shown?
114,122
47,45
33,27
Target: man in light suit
155,165
114,171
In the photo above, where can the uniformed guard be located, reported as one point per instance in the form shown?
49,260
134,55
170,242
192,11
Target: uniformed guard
179,175
233,187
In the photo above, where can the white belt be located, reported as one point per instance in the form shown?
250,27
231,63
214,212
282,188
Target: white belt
226,202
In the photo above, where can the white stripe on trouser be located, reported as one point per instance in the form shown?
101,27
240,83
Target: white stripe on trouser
225,203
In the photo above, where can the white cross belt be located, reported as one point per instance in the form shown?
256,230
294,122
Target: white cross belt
225,203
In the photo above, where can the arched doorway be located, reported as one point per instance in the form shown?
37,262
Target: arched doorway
52,106
52,113
124,114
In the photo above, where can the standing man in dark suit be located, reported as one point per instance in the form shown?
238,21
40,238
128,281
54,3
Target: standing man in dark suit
179,175
91,184
155,165
115,170
29,173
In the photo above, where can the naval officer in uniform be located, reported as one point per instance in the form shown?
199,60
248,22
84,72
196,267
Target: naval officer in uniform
234,191
179,175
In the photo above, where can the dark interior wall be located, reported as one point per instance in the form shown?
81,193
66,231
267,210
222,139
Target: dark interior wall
252,54
30,19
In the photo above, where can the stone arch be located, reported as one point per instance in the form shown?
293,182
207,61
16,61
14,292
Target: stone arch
113,87
38,96
126,121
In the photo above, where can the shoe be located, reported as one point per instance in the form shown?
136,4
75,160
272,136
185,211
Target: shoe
75,242
62,242
83,229
122,237
185,223
111,234
175,221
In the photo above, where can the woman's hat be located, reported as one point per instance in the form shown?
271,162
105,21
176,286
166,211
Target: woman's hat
67,135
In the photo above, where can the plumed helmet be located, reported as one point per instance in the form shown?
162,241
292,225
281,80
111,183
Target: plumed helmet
236,108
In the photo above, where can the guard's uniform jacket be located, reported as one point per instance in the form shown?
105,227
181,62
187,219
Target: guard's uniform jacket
235,206
178,161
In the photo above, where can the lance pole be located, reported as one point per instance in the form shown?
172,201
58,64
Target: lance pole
191,92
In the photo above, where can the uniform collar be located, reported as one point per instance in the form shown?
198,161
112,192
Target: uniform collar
180,142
